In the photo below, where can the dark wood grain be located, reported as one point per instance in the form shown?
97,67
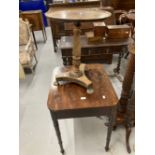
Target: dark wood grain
69,96
94,53
57,27
119,4
126,105
118,31
65,101
127,83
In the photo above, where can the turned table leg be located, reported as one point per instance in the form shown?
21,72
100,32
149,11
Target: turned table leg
56,126
117,69
112,119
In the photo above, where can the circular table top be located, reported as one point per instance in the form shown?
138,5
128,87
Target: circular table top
81,14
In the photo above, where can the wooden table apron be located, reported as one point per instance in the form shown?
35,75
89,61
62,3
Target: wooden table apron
94,106
91,112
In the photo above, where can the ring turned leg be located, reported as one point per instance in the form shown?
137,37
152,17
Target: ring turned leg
112,119
56,126
117,69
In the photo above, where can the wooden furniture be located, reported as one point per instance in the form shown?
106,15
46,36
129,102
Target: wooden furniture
126,103
121,32
36,19
58,29
65,28
128,18
99,29
77,74
71,101
94,53
119,4
130,118
26,46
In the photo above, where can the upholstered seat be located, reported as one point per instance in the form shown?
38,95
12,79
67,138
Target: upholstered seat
24,58
26,46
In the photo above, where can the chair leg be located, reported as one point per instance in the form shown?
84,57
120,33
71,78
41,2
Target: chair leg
34,67
44,35
36,59
34,38
32,70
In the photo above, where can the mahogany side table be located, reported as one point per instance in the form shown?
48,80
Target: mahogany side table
72,101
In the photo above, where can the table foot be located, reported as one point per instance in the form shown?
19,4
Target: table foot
128,132
106,149
112,121
80,80
90,90
62,151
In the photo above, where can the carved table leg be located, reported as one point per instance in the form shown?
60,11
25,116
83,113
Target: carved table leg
112,119
56,126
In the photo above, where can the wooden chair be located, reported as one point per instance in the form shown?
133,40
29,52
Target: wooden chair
26,46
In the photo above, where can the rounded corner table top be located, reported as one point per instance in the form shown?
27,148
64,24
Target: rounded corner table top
72,96
80,14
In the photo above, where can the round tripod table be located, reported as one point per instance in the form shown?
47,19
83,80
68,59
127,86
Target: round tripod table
77,73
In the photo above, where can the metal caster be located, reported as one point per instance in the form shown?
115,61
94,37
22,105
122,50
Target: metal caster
90,90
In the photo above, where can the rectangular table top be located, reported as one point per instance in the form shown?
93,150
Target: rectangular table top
74,97
66,43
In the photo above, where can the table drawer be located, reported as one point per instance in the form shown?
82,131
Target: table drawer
95,51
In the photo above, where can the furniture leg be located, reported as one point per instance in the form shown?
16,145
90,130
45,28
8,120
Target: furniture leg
112,119
55,44
126,56
32,70
36,58
44,36
36,61
117,69
56,126
34,39
44,33
128,132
